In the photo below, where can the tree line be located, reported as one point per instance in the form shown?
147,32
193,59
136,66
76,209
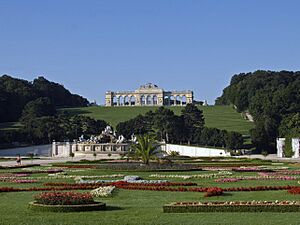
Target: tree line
45,129
272,98
41,124
187,128
15,94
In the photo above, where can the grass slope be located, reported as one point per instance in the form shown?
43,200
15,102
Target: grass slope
222,117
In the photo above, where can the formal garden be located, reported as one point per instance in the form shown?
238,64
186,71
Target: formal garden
173,190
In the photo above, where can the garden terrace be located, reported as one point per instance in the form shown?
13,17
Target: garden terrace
137,204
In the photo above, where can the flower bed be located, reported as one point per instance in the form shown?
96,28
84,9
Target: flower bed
35,171
249,206
63,198
185,177
252,169
103,191
213,192
79,166
123,183
202,189
65,202
294,190
23,181
64,176
64,188
225,180
264,178
81,181
67,208
132,166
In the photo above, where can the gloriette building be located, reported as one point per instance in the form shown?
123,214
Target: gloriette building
148,95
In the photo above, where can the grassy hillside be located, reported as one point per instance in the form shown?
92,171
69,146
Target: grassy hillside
222,117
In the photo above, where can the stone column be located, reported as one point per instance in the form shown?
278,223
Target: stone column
280,147
296,147
137,100
118,100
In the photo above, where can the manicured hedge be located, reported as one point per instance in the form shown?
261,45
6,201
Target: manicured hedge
132,166
173,208
67,208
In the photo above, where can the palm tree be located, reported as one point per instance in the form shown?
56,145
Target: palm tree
146,148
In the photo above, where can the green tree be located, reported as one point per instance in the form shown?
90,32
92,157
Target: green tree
193,121
290,125
38,108
146,148
166,124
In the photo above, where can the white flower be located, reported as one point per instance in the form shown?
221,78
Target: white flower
102,191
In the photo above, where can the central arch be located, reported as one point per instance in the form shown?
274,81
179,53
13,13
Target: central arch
149,100
166,100
143,100
121,100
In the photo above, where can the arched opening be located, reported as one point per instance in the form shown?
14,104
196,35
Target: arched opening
183,100
126,100
155,100
115,100
172,100
121,100
132,100
178,100
143,100
149,100
166,100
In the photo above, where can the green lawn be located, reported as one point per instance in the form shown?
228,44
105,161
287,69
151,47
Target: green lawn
134,207
222,117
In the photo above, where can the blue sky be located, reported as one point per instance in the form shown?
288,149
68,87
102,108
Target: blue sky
95,46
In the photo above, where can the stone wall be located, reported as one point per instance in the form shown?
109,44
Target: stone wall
194,151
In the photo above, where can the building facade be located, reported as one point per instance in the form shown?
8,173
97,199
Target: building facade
64,149
148,95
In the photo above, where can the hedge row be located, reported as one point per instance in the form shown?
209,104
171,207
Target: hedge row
229,208
67,208
205,189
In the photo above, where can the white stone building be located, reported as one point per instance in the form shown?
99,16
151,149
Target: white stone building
64,149
148,95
